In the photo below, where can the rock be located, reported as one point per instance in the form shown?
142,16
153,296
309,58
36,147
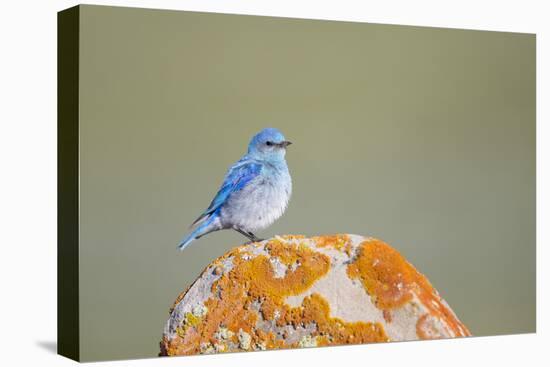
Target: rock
295,292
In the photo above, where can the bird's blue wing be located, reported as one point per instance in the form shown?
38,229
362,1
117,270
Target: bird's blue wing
238,176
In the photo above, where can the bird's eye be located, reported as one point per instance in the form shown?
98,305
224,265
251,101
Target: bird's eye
269,143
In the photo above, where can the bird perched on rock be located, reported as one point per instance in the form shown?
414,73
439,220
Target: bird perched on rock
254,192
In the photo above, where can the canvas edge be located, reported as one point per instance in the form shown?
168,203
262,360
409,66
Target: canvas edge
68,330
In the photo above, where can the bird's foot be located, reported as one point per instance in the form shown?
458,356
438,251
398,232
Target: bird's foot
251,236
254,241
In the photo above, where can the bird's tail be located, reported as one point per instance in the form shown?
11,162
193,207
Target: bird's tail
201,230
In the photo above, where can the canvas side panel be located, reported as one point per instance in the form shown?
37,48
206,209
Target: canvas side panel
67,182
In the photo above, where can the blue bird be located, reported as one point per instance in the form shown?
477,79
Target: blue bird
254,193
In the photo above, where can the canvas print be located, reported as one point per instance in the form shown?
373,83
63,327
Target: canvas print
233,183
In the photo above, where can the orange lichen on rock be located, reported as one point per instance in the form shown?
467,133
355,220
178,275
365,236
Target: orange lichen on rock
288,237
340,242
293,291
391,281
252,280
387,316
259,273
315,309
425,328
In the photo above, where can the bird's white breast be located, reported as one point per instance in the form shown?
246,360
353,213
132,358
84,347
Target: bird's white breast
261,202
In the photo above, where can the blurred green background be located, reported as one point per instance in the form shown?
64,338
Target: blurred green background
422,137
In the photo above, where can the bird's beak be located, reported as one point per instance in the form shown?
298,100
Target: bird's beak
286,143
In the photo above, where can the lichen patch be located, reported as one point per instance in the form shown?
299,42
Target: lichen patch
297,292
392,282
347,300
251,282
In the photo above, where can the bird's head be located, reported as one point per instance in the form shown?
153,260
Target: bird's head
268,144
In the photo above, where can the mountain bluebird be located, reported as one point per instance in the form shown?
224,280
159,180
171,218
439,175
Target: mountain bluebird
254,192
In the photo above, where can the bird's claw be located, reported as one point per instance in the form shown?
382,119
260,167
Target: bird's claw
254,241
